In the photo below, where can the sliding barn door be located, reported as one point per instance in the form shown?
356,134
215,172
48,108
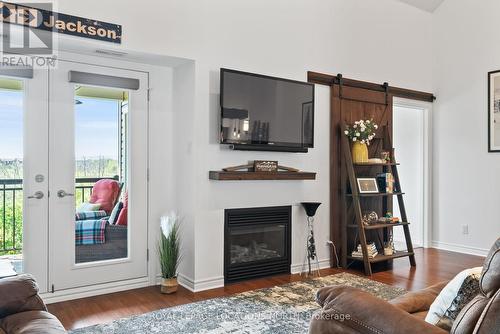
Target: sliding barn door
349,104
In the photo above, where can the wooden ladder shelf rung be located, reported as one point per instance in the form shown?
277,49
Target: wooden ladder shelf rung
352,217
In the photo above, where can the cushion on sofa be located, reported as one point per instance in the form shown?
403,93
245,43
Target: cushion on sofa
32,322
490,278
454,296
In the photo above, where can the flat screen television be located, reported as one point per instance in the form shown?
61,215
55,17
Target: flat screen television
260,112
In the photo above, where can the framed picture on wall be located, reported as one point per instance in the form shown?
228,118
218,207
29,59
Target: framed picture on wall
494,111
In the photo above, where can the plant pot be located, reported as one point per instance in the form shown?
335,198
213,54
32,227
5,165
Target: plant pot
359,152
169,285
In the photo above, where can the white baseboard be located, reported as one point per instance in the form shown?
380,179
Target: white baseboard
296,268
460,248
94,290
199,285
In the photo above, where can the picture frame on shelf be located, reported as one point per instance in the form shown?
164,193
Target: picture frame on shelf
494,111
367,185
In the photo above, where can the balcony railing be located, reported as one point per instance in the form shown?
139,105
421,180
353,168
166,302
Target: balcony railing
11,210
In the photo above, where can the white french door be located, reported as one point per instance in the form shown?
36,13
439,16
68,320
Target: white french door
23,173
97,136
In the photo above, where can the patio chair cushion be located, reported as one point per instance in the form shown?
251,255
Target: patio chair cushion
113,217
86,207
105,192
84,215
122,217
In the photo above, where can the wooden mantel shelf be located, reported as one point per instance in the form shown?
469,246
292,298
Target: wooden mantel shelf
242,175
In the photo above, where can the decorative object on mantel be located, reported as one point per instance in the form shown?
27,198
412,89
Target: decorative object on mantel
265,166
311,254
169,252
260,170
261,166
360,134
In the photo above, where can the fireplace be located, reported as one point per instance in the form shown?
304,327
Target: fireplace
257,242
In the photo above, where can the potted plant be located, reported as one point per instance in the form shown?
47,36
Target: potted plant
169,252
360,134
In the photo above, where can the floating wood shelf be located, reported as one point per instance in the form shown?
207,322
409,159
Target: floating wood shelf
375,164
379,226
382,257
240,176
376,194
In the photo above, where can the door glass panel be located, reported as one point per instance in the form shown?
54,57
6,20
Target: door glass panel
100,174
11,176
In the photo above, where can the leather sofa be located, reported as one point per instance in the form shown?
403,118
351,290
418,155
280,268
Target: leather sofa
22,311
352,311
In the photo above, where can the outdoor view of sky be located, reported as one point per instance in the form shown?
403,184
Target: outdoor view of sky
96,127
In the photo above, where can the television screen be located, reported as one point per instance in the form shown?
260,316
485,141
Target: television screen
263,110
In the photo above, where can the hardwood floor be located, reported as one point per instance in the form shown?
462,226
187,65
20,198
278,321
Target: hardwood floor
433,266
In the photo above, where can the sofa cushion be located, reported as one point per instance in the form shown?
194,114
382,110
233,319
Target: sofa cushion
418,301
420,315
468,317
490,277
18,294
489,322
32,322
454,296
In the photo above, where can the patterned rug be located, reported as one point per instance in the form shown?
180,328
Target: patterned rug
283,309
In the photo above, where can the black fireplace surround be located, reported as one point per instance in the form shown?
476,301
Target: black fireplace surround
257,242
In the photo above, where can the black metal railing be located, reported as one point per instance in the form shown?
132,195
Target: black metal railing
11,209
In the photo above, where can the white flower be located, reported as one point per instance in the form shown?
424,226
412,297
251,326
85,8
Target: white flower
167,222
363,129
354,139
362,142
358,134
355,126
346,132
375,126
368,121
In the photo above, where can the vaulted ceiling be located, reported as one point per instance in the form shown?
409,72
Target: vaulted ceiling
427,5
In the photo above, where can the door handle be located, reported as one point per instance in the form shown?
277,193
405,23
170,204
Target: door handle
62,193
37,195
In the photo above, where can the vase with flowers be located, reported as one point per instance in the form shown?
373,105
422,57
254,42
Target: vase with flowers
360,134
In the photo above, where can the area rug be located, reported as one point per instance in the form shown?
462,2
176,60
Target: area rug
283,309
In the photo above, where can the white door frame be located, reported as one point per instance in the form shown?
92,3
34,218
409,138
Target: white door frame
426,107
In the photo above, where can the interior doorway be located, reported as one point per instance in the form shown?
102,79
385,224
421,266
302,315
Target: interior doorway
410,141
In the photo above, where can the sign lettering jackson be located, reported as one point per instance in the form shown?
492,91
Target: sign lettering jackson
61,23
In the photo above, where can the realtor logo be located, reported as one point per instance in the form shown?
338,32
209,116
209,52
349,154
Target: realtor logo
21,29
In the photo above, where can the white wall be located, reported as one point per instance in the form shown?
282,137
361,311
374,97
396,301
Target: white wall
370,40
408,142
466,178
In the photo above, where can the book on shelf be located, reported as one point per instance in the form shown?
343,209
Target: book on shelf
371,249
360,254
385,182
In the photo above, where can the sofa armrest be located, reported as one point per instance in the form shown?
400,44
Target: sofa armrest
418,301
350,310
19,294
